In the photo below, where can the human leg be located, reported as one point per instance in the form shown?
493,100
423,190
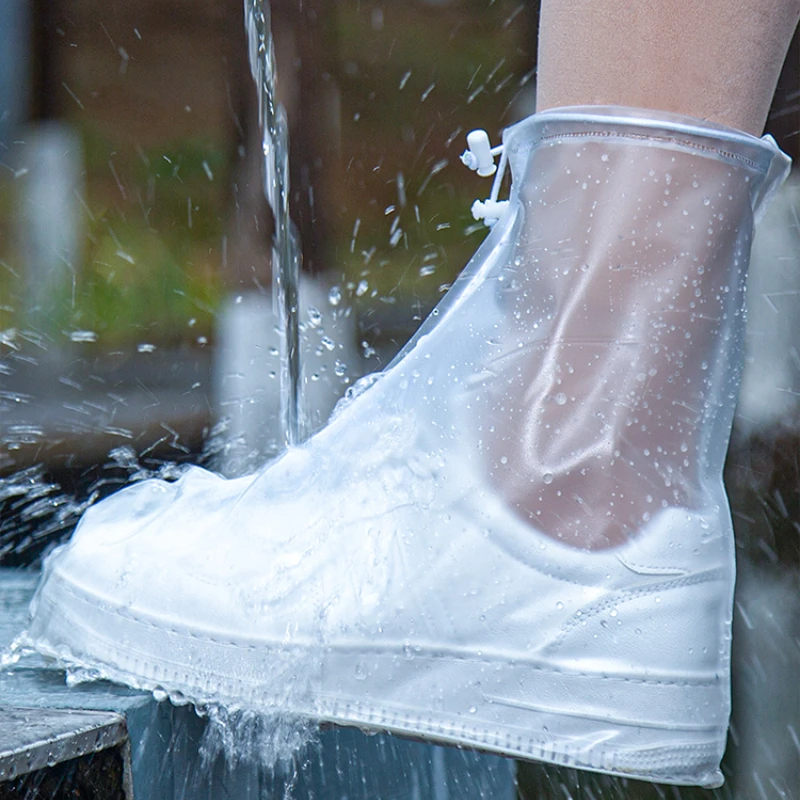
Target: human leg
715,60
626,438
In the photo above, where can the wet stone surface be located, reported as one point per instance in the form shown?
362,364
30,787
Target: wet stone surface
95,776
33,739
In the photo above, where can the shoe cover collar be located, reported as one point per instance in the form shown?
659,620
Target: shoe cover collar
763,157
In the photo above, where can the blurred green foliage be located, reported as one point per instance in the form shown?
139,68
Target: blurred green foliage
153,251
412,79
154,228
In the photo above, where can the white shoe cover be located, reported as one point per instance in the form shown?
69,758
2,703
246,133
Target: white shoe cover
412,568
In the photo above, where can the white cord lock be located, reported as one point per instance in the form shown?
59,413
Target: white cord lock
479,157
489,210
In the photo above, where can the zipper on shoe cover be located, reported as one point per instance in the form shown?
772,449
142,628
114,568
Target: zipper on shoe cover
479,157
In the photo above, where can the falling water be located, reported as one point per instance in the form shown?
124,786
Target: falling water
286,245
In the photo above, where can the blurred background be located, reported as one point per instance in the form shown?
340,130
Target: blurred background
134,238
137,321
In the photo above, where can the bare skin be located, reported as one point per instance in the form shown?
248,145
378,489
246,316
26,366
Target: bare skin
717,60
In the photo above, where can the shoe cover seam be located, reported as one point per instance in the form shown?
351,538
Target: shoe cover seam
127,614
660,139
629,595
615,761
650,570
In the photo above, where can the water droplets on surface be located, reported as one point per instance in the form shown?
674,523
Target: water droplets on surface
367,349
83,336
314,317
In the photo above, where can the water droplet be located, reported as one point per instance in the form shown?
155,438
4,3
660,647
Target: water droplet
547,477
146,347
83,336
340,368
361,672
335,296
472,709
327,343
561,398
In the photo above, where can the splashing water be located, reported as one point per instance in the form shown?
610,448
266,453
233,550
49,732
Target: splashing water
241,736
286,244
34,512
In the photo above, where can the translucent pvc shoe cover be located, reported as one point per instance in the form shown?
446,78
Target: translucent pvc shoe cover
516,538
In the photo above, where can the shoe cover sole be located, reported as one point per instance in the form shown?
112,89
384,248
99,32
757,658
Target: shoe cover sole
634,727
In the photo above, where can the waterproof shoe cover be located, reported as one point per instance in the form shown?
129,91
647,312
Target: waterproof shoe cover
516,538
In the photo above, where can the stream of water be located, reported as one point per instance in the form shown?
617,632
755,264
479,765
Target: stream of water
286,244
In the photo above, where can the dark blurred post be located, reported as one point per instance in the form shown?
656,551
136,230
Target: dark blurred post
14,68
306,49
44,61
783,121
